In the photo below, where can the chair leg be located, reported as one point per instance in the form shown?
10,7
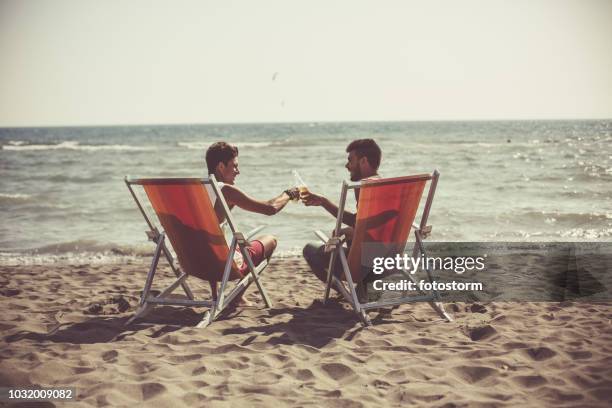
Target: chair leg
140,312
365,320
332,261
177,272
363,316
435,304
207,319
226,273
218,296
439,308
143,306
349,281
152,270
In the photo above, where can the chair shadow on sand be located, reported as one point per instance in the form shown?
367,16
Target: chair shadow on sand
315,325
105,329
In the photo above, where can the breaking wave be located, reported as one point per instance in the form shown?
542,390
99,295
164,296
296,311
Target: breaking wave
6,198
204,145
560,217
71,145
93,252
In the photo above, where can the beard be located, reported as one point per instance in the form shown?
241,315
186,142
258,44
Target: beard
356,175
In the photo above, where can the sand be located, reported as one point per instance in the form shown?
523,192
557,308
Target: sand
63,325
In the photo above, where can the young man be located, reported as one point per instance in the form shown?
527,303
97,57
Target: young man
363,161
222,161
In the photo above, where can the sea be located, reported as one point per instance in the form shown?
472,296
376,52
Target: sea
63,197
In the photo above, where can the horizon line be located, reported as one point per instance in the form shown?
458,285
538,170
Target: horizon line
308,122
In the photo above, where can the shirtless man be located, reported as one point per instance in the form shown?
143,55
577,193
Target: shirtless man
363,160
222,161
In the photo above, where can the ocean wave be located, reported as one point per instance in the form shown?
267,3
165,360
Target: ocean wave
242,145
80,258
76,252
560,217
94,252
94,258
62,178
7,198
193,145
572,234
71,145
586,233
90,246
205,145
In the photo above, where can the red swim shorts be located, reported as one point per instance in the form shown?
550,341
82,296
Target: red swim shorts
257,252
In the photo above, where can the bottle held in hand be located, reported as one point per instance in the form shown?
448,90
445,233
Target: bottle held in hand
303,189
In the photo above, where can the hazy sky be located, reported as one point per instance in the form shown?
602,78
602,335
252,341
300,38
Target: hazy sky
128,62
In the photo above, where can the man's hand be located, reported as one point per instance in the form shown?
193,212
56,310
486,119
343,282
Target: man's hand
293,193
311,199
347,232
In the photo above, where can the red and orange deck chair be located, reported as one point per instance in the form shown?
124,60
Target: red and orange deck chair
189,221
386,213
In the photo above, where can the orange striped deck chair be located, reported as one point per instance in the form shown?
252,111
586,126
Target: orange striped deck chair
186,214
386,213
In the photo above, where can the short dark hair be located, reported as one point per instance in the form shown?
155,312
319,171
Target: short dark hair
219,152
367,148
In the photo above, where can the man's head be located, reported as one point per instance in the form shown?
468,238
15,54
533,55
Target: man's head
222,161
363,158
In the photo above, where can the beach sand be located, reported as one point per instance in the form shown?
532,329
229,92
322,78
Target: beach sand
63,325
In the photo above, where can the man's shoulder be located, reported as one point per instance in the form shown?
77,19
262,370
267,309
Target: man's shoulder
228,187
374,177
234,195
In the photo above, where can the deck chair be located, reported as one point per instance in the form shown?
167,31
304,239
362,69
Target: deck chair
189,221
386,213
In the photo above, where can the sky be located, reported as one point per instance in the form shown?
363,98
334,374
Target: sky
112,62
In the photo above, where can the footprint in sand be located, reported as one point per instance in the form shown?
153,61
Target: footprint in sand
477,308
151,390
110,356
580,355
8,292
474,374
540,353
381,384
424,341
115,305
481,332
304,375
337,371
199,371
529,381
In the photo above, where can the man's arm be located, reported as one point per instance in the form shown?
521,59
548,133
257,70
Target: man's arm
234,196
312,199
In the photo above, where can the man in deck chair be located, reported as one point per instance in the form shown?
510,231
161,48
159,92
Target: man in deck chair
222,161
185,209
363,160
